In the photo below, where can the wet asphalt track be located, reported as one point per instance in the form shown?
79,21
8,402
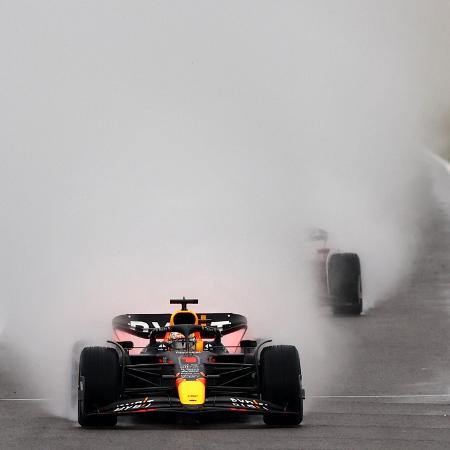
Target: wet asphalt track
399,377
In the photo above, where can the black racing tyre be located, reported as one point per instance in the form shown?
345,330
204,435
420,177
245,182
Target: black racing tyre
100,379
344,283
281,383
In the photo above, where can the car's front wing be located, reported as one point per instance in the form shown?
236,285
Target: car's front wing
173,405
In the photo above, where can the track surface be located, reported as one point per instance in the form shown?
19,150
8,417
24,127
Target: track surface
399,377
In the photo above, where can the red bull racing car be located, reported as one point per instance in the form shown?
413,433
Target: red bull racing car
182,363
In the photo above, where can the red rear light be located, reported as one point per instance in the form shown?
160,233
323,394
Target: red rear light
189,359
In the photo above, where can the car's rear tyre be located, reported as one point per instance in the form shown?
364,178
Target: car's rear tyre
281,383
344,283
99,381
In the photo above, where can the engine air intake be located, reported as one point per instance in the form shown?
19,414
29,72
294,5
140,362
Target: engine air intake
184,318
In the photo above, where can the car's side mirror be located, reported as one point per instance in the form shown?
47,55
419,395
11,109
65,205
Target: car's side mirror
126,345
248,343
208,333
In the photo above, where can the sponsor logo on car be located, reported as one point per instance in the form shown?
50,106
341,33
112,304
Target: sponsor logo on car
248,404
146,327
132,406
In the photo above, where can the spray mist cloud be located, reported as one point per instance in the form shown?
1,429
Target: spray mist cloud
150,151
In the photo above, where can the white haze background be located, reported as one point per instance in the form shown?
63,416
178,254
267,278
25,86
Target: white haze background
160,149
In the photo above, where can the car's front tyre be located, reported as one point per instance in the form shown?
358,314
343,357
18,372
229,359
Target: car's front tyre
98,383
280,383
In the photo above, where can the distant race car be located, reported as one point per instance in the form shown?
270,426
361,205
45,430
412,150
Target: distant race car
180,363
338,275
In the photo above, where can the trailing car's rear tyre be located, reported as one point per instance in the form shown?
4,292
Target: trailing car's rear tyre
281,383
344,283
99,381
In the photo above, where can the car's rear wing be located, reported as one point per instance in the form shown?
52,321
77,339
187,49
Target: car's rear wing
141,324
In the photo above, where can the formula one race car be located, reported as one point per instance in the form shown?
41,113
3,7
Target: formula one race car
184,367
338,275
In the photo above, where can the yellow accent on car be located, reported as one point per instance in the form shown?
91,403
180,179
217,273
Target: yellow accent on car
191,392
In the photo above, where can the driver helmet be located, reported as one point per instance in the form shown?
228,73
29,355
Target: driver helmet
177,341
